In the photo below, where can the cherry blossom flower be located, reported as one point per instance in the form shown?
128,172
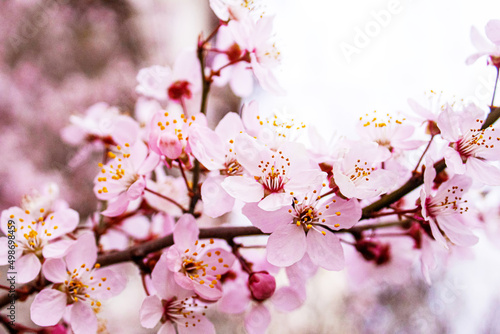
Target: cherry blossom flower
197,265
256,38
169,131
231,65
240,296
274,175
375,261
306,226
79,288
37,233
485,48
101,122
387,131
271,128
178,85
446,210
357,172
215,150
172,305
471,148
123,179
236,9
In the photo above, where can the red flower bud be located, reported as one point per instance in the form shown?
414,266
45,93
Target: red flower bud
262,285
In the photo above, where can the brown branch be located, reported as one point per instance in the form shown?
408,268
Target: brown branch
140,251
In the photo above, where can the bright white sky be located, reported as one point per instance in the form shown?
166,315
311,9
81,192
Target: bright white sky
422,46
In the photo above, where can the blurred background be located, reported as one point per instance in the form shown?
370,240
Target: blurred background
340,60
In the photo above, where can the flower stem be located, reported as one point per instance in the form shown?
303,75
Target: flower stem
423,153
167,199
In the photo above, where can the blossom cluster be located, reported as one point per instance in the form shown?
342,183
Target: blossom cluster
165,173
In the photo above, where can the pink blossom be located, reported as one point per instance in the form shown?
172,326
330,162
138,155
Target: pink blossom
237,299
169,131
388,132
37,235
178,85
274,175
123,178
446,210
215,150
485,48
101,122
79,287
271,128
235,9
358,173
173,305
197,265
238,74
256,38
306,226
390,262
471,148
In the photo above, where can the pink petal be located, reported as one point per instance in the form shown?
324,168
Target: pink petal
266,221
429,176
48,307
286,299
241,81
214,261
151,312
117,206
111,278
229,126
186,232
286,245
216,201
243,188
28,266
483,171
162,279
456,232
479,42
55,270
201,325
454,161
124,130
57,249
257,320
167,328
342,212
149,164
136,189
234,301
492,30
66,221
207,147
83,319
325,250
84,251
437,234
207,292
169,145
275,201
250,152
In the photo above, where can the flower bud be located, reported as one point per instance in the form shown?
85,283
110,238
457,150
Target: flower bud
374,251
262,285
